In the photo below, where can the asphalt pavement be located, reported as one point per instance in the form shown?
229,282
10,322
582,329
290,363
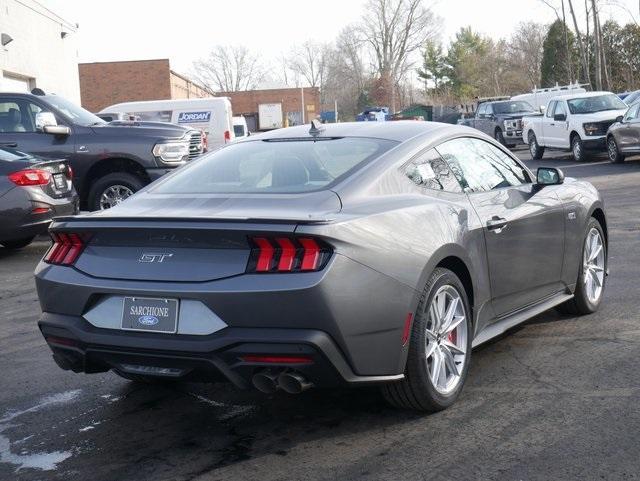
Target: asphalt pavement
556,398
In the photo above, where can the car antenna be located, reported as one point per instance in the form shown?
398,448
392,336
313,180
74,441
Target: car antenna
316,128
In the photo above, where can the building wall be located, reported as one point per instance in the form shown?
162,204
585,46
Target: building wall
107,83
183,88
38,54
246,103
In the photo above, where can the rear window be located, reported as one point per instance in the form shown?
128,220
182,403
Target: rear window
281,166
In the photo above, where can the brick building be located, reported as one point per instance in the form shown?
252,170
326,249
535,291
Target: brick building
107,83
292,99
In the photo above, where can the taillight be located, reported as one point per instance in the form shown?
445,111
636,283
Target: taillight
227,136
69,172
66,248
30,177
287,254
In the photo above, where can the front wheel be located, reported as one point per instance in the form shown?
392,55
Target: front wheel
613,151
593,273
499,136
535,149
110,190
577,149
439,349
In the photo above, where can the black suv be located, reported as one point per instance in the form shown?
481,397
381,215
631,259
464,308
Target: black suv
110,161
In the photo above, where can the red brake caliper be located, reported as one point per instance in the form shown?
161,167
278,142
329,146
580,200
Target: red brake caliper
453,336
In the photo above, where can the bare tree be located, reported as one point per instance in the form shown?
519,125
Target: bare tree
394,29
525,50
581,48
229,69
598,45
309,60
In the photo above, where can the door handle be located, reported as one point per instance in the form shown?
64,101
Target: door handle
496,224
9,144
552,125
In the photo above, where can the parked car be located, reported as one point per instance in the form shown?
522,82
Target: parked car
501,120
240,130
632,97
32,192
576,123
539,98
345,254
212,116
623,137
110,161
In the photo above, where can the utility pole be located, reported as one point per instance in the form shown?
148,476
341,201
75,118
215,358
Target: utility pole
302,104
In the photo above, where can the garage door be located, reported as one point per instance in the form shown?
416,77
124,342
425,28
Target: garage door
9,83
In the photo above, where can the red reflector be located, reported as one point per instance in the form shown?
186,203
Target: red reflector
288,254
61,341
266,254
69,172
227,136
40,210
30,177
311,255
407,329
278,359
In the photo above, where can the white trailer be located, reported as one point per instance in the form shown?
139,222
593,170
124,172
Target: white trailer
269,116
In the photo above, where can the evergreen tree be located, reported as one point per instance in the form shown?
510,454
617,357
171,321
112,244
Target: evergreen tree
555,61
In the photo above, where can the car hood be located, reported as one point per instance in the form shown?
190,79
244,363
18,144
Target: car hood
308,207
600,116
519,115
135,129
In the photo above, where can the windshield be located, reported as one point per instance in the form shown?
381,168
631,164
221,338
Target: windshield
270,166
632,97
600,103
512,107
74,112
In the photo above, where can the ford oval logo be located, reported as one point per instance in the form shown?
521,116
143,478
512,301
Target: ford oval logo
148,320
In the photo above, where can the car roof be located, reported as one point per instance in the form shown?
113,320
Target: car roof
583,95
398,130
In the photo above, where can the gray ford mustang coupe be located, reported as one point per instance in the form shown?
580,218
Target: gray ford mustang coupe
348,254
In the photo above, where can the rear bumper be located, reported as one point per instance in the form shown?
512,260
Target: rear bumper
81,347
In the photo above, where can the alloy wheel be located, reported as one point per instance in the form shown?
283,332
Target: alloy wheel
593,265
446,339
577,150
113,195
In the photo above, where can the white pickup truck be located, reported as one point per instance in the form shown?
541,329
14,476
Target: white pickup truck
576,123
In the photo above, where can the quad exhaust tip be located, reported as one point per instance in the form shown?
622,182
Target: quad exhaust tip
268,382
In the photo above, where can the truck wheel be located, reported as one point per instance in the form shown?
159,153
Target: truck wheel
535,150
613,151
577,149
110,190
499,136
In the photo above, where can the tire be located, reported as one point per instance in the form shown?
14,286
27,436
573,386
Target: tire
142,379
535,149
582,303
123,182
417,390
499,136
612,150
577,149
17,244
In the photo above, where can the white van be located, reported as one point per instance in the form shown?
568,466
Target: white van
240,127
539,98
211,115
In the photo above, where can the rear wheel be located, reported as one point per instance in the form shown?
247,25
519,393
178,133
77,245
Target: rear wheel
110,190
613,151
535,150
439,350
592,276
17,244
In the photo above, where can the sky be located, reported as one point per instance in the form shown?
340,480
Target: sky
185,31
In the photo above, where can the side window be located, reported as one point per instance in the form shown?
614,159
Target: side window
482,109
552,107
632,113
560,109
430,171
480,166
16,116
489,109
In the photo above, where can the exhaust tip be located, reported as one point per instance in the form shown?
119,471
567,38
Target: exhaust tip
265,381
293,383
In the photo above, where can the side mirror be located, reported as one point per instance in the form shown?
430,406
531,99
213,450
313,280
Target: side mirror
45,119
620,119
61,130
549,176
542,109
560,117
